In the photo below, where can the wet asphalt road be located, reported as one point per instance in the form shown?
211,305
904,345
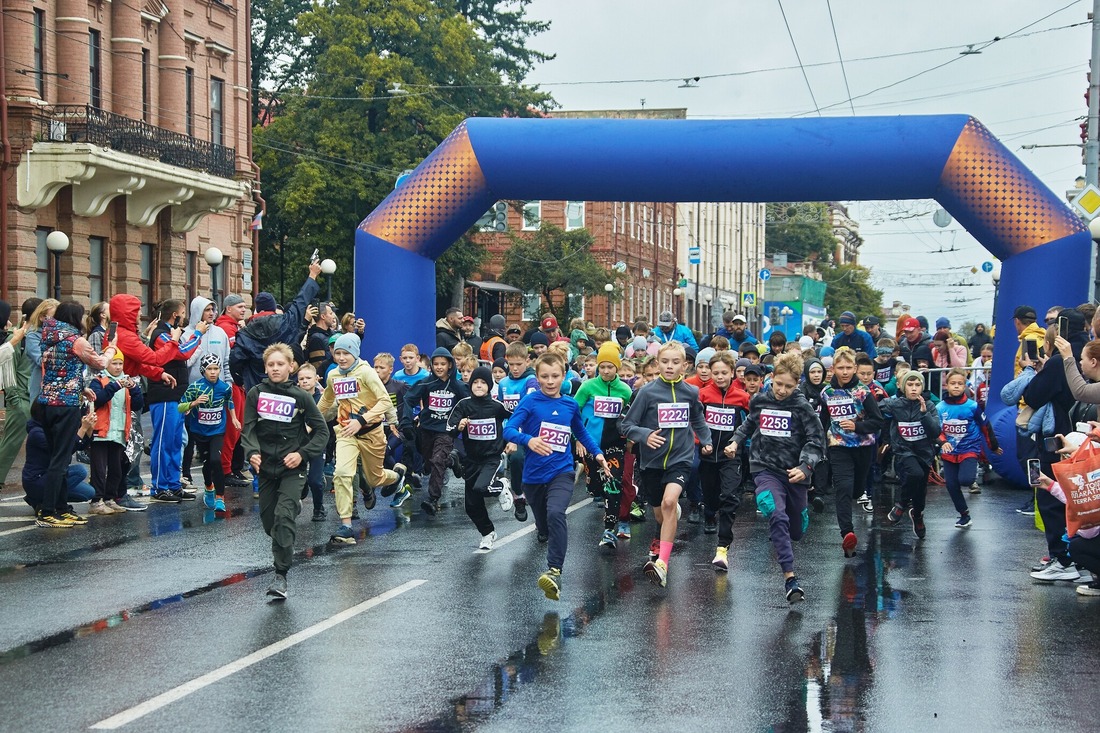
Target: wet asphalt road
143,620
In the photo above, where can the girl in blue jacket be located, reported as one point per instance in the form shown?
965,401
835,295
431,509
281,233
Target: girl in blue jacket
963,426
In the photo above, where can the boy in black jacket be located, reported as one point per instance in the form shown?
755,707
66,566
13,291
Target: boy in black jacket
480,419
914,432
435,397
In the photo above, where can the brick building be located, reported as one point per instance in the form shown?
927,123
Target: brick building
129,127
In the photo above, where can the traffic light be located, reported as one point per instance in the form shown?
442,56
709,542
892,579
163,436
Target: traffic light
495,219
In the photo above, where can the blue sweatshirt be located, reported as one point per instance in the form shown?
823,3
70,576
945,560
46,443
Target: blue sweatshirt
210,417
552,419
510,390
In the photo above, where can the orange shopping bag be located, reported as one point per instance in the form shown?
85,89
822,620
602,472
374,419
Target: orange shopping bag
1079,477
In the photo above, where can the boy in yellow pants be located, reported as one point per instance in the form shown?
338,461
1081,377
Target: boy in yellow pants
362,406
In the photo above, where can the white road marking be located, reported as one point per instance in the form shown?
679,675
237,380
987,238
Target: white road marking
182,691
17,530
12,520
529,528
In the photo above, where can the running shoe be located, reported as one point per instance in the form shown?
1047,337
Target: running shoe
1056,571
369,498
73,517
918,523
237,482
506,499
277,589
1089,589
848,543
710,525
868,507
1043,562
550,583
963,522
975,489
414,480
721,559
400,498
542,538
608,541
42,519
184,495
864,499
208,498
637,512
657,572
795,594
131,504
817,503
390,489
344,536
166,497
99,507
623,531
895,514
114,507
219,504
186,482
319,514
487,541
455,462
695,514
430,507
654,548
521,509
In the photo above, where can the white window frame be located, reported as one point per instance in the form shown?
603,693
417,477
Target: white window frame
532,306
532,223
578,205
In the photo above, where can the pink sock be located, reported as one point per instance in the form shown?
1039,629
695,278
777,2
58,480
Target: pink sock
665,552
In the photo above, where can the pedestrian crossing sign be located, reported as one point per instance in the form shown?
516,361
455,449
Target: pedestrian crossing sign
748,300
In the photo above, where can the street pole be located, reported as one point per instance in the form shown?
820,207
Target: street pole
1092,144
57,276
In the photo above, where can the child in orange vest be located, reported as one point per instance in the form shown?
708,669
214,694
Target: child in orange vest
116,395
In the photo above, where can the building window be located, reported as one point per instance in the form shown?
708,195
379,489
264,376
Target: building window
40,51
97,248
574,215
145,84
532,216
191,275
189,100
532,307
95,44
147,269
217,111
633,230
43,268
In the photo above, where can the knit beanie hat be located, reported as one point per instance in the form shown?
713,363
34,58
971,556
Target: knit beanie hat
500,364
265,302
539,338
912,376
484,374
204,362
609,352
704,356
348,342
623,333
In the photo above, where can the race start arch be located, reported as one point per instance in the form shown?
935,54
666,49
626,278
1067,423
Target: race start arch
1045,249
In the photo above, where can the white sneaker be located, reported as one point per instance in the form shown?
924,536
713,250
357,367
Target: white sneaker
507,501
1091,589
1056,571
487,541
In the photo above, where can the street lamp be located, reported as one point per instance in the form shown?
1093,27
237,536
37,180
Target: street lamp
995,275
57,242
676,293
213,257
328,267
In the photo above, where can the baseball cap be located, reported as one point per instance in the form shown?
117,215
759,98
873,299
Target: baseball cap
738,319
549,323
666,318
232,300
756,369
910,324
870,321
468,319
514,329
1024,313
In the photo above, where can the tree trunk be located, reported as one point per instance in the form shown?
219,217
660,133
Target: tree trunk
458,292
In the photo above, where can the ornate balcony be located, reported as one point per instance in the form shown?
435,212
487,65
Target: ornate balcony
103,155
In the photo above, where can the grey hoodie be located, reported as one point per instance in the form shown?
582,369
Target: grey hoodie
214,342
659,399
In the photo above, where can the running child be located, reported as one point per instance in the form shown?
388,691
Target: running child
205,403
516,385
914,427
397,447
725,405
661,421
361,406
309,383
602,401
481,419
543,423
276,444
963,424
434,398
813,381
788,442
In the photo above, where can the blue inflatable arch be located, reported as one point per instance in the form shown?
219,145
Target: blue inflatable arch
1044,247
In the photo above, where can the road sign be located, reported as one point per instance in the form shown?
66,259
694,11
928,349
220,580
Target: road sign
779,259
987,267
748,300
765,275
693,256
1087,201
402,177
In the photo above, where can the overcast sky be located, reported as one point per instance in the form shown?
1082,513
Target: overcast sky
1028,89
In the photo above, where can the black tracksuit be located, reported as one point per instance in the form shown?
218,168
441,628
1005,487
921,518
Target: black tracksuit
913,436
484,440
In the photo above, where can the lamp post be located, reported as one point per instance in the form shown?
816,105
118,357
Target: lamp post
328,267
57,242
213,257
676,293
609,289
996,276
710,313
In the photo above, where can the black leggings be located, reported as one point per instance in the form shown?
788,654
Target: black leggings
1086,553
612,500
721,484
209,448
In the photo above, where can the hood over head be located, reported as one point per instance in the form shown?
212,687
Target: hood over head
442,352
198,305
125,310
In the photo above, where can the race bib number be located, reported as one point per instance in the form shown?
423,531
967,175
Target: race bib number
775,423
911,431
485,429
441,401
721,418
673,414
955,428
510,401
276,407
608,408
346,388
209,415
884,374
841,408
556,436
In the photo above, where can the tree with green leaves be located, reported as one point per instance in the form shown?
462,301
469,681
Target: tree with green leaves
848,288
280,54
802,230
387,81
555,264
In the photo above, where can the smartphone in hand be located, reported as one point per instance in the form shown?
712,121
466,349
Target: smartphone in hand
112,331
1031,348
1052,445
1033,471
1063,327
